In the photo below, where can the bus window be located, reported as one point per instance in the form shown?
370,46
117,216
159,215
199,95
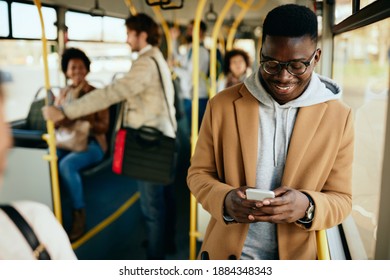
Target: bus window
26,26
106,59
83,26
4,28
364,3
361,66
89,28
114,29
23,62
110,54
343,8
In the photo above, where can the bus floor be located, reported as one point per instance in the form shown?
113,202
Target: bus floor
124,236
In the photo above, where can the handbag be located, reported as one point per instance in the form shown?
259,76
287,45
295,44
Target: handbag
38,248
145,153
74,137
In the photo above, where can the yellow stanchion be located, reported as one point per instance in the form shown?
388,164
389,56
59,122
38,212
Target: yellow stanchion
322,245
259,5
237,21
165,28
213,50
195,113
50,137
132,9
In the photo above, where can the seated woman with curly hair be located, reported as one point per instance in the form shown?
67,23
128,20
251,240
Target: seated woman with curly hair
76,65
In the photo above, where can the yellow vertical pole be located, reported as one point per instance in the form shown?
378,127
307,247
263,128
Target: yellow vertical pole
165,28
49,137
322,245
195,113
213,50
236,23
131,7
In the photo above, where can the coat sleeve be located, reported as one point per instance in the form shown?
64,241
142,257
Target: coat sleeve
203,179
133,83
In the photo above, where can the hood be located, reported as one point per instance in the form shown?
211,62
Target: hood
320,89
277,122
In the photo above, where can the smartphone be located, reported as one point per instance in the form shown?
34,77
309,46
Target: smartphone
258,194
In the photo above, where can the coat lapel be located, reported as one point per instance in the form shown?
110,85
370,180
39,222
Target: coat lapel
247,109
306,125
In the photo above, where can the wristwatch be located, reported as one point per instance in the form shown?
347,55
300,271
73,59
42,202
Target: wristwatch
309,214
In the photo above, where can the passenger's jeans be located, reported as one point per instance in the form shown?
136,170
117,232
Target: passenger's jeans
70,164
188,110
158,207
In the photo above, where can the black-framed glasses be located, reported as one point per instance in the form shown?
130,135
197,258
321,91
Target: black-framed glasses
294,67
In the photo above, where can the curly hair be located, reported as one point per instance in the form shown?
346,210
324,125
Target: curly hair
143,23
232,53
73,53
291,20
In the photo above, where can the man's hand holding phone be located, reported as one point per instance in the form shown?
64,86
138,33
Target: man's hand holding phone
259,194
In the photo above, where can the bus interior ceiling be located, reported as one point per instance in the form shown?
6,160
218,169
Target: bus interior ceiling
118,8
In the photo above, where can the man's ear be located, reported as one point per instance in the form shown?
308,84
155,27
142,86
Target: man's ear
143,35
318,56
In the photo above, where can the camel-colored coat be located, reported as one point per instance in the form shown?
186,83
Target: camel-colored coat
319,161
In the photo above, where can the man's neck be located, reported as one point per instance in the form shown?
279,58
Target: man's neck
145,49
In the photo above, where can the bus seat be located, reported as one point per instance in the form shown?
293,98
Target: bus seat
110,135
28,132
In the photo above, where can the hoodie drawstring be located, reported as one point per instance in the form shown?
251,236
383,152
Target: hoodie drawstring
286,133
275,135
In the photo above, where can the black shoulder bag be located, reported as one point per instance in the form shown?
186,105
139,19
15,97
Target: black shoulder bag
38,248
145,153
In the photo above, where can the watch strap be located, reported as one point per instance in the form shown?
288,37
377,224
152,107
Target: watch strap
306,219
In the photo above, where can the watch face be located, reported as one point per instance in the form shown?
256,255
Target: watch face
309,212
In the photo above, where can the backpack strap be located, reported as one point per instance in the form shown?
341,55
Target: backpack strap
38,248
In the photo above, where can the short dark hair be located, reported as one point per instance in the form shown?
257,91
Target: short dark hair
202,25
73,53
143,23
232,53
291,20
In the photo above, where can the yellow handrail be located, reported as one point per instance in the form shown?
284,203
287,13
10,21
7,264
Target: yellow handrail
213,50
131,7
322,245
233,29
49,137
165,27
195,113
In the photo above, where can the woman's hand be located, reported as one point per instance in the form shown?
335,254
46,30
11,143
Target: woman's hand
52,113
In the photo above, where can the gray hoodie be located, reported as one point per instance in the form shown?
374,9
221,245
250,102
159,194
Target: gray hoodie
276,125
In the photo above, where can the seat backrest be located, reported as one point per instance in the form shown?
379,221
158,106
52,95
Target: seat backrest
110,135
35,120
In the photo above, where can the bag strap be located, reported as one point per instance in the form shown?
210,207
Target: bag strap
121,110
165,94
38,248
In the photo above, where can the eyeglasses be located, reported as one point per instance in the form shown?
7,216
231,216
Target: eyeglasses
293,67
